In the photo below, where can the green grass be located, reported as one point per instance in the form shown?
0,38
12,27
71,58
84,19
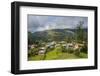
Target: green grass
57,54
37,57
54,54
68,56
83,55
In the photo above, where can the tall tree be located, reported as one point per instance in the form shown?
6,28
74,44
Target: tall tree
30,38
80,32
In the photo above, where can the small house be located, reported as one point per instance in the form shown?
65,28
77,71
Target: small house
41,51
57,45
51,44
70,45
33,46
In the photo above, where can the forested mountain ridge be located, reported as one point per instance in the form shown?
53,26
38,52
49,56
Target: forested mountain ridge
54,35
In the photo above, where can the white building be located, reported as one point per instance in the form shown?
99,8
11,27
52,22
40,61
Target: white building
42,51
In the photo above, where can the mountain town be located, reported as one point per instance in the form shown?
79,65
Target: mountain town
58,44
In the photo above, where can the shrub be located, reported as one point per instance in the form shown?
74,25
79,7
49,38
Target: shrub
70,50
33,52
84,49
77,52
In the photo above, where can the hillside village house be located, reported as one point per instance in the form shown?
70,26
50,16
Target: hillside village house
32,46
62,42
42,51
51,44
73,46
57,45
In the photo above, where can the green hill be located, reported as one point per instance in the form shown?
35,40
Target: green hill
53,35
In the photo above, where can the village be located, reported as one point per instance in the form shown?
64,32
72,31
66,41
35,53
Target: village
56,48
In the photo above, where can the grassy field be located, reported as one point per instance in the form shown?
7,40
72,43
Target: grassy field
55,54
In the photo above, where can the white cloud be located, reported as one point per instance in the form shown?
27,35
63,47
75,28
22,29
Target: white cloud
41,23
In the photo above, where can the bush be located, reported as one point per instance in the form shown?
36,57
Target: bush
84,49
70,50
29,53
77,52
33,52
63,49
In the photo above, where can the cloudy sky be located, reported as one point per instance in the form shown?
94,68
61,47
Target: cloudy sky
41,23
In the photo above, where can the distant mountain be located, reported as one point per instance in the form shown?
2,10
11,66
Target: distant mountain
54,34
